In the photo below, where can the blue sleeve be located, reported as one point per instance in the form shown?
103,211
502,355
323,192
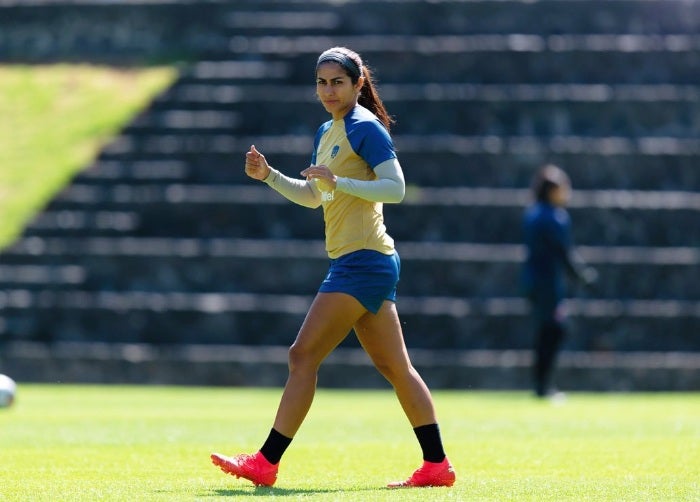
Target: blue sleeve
317,140
371,141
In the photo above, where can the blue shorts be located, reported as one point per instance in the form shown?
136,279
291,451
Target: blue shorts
369,276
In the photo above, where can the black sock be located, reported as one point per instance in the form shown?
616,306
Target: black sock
430,442
274,446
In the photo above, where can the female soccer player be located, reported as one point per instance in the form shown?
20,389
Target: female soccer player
547,230
354,169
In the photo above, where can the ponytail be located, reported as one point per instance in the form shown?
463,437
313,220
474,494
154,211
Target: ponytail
369,98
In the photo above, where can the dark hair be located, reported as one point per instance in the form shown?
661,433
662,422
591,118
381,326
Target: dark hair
546,179
352,63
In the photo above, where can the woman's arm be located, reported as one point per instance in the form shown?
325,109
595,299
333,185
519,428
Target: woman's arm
389,187
575,266
298,191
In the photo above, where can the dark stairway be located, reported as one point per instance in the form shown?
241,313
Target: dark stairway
163,240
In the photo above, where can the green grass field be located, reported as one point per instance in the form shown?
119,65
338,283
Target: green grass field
67,442
55,118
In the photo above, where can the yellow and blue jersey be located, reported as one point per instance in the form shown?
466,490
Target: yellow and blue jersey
351,147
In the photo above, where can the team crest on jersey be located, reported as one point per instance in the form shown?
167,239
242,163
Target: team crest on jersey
335,151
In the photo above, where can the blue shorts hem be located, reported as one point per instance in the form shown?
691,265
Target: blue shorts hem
368,276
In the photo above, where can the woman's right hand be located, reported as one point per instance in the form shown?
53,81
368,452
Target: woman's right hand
255,164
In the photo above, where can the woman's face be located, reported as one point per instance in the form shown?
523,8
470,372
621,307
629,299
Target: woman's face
559,196
335,89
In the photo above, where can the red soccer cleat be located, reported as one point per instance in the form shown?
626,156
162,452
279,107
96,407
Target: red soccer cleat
429,474
254,468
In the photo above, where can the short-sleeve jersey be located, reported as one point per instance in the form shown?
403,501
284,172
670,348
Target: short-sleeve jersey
352,147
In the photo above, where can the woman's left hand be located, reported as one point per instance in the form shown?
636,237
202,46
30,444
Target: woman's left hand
321,173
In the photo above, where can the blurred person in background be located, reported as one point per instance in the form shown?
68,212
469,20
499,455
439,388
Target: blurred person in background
550,257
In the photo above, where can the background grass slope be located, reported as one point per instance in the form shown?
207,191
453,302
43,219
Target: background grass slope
54,119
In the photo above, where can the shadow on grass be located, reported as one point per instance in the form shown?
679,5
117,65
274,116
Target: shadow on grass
262,491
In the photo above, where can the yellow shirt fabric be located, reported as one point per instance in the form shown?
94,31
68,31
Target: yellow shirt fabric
353,223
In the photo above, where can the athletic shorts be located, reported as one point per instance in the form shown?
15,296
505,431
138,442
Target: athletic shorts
367,275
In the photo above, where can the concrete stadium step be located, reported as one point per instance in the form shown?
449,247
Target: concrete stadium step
229,365
292,267
204,274
505,67
177,146
39,276
262,19
612,325
428,322
550,17
259,194
199,96
443,214
233,71
440,165
493,224
83,221
439,161
232,218
494,278
444,112
135,171
189,95
492,59
460,43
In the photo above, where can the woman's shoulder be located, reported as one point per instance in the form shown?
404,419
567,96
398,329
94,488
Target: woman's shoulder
544,212
324,127
363,119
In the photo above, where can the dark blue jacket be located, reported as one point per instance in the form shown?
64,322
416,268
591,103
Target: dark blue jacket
547,236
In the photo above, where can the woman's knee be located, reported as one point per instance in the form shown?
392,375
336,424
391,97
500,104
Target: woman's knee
301,359
394,371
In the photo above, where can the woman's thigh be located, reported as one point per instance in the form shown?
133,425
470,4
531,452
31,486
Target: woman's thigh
329,320
381,336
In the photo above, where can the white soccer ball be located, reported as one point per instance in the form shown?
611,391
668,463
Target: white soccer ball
8,389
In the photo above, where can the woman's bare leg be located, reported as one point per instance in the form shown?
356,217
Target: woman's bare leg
327,323
382,338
